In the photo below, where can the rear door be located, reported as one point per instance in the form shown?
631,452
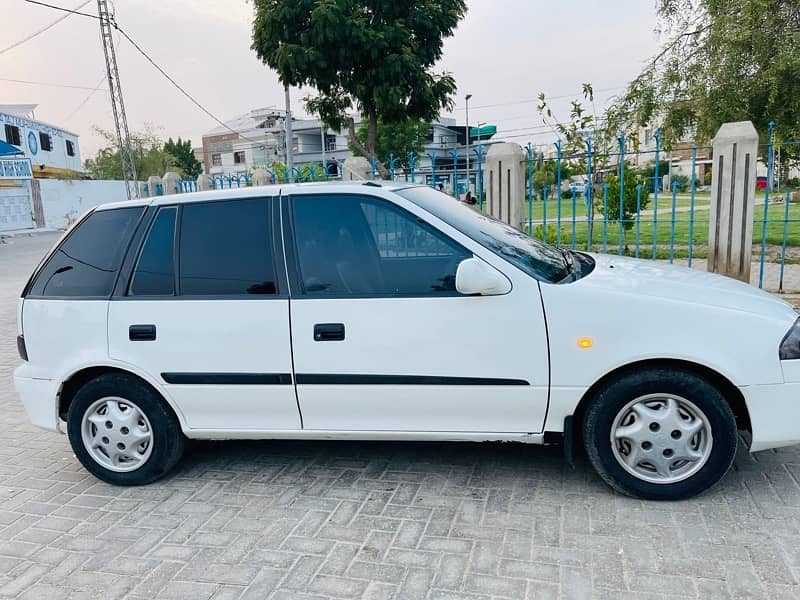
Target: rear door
382,341
205,313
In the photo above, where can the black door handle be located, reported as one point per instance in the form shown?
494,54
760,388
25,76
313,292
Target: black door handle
142,333
328,332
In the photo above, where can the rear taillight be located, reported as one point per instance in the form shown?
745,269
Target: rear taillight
23,351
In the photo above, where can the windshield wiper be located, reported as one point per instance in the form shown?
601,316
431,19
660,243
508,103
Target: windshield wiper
568,259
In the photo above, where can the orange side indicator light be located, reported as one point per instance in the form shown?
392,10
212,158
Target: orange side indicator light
585,343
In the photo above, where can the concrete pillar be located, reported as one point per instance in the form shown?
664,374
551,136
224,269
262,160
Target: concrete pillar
204,182
504,176
356,168
733,185
171,183
261,177
153,185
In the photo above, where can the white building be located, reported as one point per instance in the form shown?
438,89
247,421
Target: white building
258,140
52,150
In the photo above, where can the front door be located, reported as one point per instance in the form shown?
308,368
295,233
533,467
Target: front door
381,339
206,314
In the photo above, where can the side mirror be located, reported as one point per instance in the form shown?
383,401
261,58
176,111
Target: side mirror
474,276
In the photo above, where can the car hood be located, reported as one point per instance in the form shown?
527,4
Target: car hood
681,284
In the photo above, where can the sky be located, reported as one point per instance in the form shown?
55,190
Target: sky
504,53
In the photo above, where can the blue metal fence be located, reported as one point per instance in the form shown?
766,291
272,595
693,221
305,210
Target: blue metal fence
645,217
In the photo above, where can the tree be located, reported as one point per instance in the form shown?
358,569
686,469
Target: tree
724,60
631,199
184,159
372,55
149,157
397,139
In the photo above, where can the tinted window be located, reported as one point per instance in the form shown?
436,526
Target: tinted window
534,257
86,263
154,274
225,248
352,246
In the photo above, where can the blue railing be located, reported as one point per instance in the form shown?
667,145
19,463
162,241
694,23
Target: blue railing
645,217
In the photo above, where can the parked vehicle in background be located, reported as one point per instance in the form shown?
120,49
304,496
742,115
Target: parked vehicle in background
392,312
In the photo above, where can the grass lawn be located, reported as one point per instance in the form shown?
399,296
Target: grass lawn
666,231
683,200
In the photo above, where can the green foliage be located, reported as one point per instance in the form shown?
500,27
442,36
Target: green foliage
308,172
648,170
397,139
542,178
724,60
551,234
149,156
544,174
681,182
183,157
375,56
630,194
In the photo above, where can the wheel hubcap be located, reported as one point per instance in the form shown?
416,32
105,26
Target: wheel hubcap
117,434
661,438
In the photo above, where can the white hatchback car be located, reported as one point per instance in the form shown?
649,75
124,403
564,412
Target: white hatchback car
362,311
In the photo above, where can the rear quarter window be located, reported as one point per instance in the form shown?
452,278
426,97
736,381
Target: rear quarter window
86,263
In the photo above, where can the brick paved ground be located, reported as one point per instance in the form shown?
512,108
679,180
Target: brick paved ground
372,520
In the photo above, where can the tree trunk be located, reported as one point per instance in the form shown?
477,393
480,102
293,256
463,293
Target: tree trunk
367,151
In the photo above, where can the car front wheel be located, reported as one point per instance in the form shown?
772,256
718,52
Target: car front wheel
122,431
660,434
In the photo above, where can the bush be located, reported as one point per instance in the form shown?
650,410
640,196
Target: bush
681,182
630,195
552,234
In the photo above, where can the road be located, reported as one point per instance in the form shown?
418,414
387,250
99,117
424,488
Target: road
319,520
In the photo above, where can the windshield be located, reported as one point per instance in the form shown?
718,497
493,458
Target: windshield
534,257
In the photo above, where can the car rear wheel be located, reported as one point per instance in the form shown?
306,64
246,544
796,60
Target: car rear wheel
660,434
122,431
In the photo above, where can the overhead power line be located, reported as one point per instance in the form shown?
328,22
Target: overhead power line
177,85
45,83
96,88
71,11
46,27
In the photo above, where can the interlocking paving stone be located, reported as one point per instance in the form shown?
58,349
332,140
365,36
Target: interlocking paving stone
380,521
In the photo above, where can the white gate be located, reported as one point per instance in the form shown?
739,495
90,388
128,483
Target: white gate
16,208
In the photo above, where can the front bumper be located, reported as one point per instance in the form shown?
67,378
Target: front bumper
774,414
39,399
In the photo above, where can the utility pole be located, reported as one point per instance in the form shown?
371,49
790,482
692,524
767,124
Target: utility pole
117,103
466,102
289,137
322,139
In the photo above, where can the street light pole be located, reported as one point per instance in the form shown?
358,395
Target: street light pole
289,141
466,103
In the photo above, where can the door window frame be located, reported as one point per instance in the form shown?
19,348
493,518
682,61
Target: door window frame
292,261
140,237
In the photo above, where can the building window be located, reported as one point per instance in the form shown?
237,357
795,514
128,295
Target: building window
70,148
45,142
12,135
216,160
238,157
330,142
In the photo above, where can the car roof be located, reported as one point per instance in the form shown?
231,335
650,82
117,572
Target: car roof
276,189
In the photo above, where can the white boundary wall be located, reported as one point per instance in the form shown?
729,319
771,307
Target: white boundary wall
63,201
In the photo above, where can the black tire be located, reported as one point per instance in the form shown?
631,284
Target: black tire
609,401
167,438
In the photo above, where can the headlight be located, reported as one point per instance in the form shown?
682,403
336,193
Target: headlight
790,346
